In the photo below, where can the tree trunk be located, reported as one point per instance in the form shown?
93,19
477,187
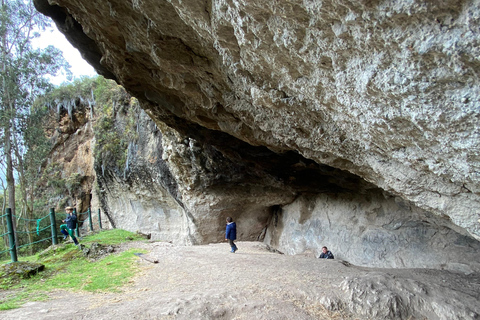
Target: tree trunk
23,194
10,178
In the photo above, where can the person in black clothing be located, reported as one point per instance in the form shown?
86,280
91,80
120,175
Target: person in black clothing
326,254
70,225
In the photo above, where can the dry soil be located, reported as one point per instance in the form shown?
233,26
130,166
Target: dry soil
209,282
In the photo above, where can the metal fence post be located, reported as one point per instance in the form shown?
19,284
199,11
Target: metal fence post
11,236
77,229
99,219
90,219
53,223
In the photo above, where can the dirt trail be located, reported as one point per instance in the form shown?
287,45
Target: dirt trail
209,282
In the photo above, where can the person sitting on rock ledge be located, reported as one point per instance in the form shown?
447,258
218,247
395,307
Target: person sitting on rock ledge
326,254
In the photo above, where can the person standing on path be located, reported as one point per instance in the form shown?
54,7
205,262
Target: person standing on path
231,234
70,225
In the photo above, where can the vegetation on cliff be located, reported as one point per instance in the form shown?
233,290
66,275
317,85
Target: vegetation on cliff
115,126
111,108
96,105
100,101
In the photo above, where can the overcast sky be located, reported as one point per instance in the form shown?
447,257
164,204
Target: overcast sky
55,38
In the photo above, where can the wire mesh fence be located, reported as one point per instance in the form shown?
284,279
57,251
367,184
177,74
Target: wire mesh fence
26,236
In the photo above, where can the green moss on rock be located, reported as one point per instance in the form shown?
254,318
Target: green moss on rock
20,270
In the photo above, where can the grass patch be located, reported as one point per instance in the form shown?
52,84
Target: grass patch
9,305
67,268
107,274
17,299
114,236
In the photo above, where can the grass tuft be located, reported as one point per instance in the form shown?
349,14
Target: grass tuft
115,236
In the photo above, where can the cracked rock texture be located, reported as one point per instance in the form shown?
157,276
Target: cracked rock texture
306,97
179,190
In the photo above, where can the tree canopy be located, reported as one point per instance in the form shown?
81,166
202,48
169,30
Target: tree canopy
24,73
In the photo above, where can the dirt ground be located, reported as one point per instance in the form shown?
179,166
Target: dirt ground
209,282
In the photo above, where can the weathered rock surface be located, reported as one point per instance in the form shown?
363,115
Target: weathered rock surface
276,101
351,124
96,250
372,230
180,191
143,196
385,90
69,172
20,270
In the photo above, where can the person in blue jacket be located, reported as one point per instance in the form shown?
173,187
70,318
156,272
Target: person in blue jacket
70,225
231,234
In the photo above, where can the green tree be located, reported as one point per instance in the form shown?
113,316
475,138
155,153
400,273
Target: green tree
23,76
38,147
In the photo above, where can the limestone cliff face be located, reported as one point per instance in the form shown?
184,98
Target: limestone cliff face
179,190
69,174
142,195
339,99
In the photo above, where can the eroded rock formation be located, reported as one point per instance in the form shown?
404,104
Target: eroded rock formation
316,109
68,173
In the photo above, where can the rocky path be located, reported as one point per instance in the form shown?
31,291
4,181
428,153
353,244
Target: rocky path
208,282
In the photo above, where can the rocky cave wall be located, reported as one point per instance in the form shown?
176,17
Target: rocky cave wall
141,196
304,97
179,190
175,189
376,230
